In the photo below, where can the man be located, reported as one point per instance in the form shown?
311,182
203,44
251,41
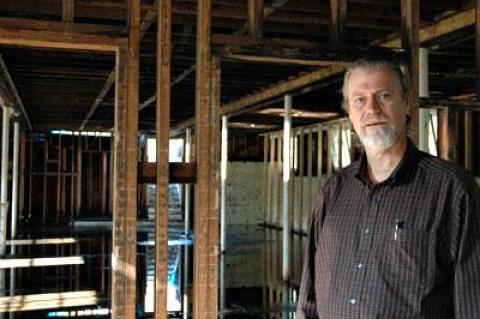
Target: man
397,233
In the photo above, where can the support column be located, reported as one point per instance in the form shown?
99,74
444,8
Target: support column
13,229
410,42
223,209
186,255
287,127
206,250
423,114
124,233
4,192
164,45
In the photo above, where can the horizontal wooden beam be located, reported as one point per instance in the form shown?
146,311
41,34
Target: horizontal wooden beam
245,41
42,241
60,39
178,173
276,60
48,301
40,262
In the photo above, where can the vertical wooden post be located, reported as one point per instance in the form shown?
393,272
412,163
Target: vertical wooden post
21,177
294,154
78,184
338,14
265,178
468,149
271,174
164,47
104,181
45,170
278,181
329,151
124,237
320,157
309,172
477,47
68,9
205,286
301,178
410,42
255,17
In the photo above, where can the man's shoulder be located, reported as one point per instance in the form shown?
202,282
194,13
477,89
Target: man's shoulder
448,171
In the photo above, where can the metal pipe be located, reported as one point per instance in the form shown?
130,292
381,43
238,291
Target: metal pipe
223,209
186,259
423,114
287,126
4,192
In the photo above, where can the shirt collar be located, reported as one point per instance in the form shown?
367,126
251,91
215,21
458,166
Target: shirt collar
403,169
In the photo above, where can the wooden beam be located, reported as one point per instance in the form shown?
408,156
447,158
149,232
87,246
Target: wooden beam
410,42
68,11
124,237
477,48
255,17
206,250
40,262
338,15
48,301
277,60
42,241
177,172
164,48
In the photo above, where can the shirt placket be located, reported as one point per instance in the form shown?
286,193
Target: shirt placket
366,231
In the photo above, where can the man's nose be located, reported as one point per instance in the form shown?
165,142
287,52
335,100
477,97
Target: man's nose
372,105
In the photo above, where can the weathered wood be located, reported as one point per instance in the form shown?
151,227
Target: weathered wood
444,138
164,48
48,301
309,172
21,177
78,181
278,181
271,174
278,60
68,11
301,178
320,157
266,174
468,136
477,48
338,15
59,39
124,237
205,272
40,262
177,172
410,42
255,17
329,150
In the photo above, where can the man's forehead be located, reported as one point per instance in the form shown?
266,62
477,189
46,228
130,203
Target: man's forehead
382,77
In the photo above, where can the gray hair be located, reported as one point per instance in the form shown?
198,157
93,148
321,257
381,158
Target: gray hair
374,63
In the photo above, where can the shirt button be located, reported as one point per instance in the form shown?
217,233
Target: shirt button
360,265
353,301
367,231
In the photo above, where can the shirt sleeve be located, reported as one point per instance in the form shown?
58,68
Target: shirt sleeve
306,305
467,265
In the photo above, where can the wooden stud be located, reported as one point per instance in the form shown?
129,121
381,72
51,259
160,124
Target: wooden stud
293,196
205,285
278,182
78,198
320,157
164,48
255,17
301,178
468,135
104,183
338,14
44,197
477,48
266,178
329,151
410,41
124,237
68,10
271,174
21,175
309,173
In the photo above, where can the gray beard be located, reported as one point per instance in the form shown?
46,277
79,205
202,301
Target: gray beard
380,141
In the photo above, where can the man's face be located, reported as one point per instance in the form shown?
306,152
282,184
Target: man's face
377,109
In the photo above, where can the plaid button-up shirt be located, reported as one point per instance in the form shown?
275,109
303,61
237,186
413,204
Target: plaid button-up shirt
408,247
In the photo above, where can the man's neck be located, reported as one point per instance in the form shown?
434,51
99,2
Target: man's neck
380,164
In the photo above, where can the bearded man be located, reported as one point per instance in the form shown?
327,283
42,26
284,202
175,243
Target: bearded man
397,233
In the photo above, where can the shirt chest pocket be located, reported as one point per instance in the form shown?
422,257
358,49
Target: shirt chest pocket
406,257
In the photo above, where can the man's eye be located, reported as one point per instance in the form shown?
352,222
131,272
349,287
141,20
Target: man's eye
358,101
385,96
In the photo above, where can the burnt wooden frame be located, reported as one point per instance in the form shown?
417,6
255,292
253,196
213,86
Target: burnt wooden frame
126,128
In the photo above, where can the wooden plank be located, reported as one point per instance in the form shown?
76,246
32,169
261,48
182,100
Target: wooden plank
21,176
42,241
48,301
124,237
279,182
40,262
255,17
410,42
293,196
205,270
338,15
44,197
277,60
62,39
78,185
309,172
329,150
266,176
443,134
301,178
477,48
271,174
68,11
104,183
320,157
468,135
177,172
164,47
